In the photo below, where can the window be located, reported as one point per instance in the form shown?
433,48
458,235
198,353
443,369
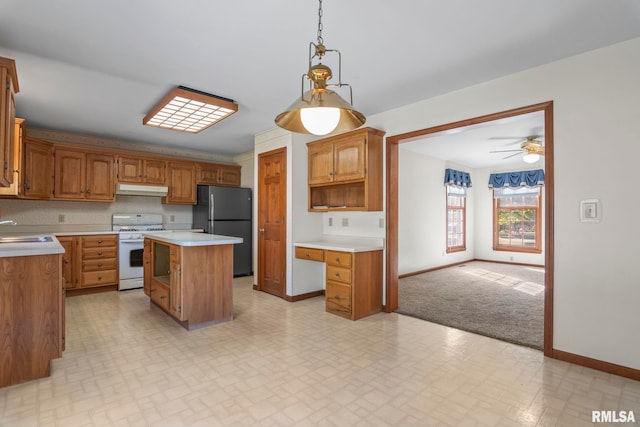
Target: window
517,219
456,218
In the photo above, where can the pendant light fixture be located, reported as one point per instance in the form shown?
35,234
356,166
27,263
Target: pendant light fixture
320,110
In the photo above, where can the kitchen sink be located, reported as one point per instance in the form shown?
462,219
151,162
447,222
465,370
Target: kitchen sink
26,239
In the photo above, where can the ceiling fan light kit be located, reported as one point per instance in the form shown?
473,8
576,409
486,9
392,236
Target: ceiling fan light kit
320,110
531,147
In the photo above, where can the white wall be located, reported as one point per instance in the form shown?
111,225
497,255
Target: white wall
596,131
247,165
422,213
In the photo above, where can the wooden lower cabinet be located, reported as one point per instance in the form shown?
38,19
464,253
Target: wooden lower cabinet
90,263
353,280
32,313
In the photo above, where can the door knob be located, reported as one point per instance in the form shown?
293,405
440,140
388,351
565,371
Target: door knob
261,230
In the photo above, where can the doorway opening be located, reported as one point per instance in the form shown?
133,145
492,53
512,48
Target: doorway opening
392,238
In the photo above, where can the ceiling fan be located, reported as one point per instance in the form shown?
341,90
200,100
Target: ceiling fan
531,147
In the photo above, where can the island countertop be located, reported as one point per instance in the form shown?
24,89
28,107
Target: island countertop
189,238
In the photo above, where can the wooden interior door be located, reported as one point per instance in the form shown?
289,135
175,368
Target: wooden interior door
272,231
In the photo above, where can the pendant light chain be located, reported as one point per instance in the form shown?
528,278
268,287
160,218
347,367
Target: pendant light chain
320,39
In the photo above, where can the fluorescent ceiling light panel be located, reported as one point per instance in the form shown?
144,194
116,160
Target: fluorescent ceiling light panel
188,110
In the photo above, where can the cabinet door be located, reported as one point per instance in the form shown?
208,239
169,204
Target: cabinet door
320,163
154,172
208,174
7,128
176,303
69,174
130,169
15,188
99,177
229,175
182,184
350,159
68,261
37,173
146,265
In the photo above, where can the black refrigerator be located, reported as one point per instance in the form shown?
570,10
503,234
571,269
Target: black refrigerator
227,211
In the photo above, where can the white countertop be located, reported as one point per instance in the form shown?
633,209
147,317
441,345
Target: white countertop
32,248
188,238
345,244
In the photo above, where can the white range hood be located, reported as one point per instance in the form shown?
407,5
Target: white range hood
141,190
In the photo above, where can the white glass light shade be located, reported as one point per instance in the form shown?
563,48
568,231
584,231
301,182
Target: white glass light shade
320,120
531,158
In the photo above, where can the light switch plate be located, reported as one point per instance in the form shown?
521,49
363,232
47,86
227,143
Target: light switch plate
590,210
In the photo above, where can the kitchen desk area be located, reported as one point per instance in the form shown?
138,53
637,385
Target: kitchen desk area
353,272
190,276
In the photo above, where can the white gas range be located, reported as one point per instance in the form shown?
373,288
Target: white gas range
131,245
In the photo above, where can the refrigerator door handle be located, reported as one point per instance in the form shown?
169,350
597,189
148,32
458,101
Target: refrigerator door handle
211,211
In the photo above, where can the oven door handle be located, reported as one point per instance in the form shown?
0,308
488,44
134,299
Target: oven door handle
131,241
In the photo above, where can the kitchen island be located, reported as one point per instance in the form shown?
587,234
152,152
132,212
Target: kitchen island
190,276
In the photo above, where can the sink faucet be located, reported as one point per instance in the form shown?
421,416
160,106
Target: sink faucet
8,222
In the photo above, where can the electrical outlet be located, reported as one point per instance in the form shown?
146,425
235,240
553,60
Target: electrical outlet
172,218
380,222
330,222
345,222
61,218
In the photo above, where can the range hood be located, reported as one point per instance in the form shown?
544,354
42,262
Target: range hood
141,190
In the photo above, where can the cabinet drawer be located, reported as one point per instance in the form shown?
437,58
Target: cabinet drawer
99,264
338,298
97,253
160,295
99,278
99,241
310,254
340,259
338,274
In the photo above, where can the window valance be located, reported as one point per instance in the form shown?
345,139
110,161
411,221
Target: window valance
457,178
517,179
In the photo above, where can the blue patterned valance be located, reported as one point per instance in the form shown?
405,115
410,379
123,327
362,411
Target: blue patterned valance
457,178
517,179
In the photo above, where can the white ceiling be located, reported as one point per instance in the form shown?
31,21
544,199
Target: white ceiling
472,146
98,67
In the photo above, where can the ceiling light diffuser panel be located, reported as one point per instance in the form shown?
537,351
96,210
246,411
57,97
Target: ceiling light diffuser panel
189,110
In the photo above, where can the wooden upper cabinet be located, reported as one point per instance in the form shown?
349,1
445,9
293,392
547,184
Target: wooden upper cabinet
338,160
218,174
37,169
82,175
9,82
320,162
141,170
181,183
14,189
99,175
349,159
345,171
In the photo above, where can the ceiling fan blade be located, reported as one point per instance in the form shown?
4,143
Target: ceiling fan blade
509,137
508,157
506,151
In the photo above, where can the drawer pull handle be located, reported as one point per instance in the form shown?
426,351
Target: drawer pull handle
337,274
99,277
99,241
338,260
99,265
99,253
307,255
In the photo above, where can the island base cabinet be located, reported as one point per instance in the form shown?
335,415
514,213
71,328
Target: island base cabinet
193,284
31,316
